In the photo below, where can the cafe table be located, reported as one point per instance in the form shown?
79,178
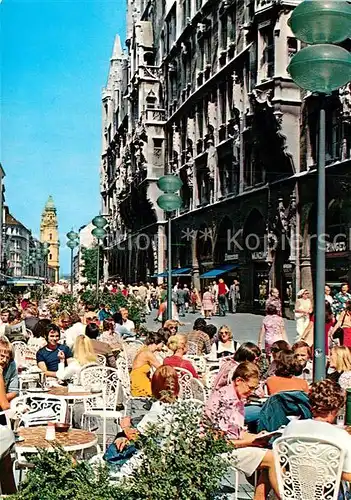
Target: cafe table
72,440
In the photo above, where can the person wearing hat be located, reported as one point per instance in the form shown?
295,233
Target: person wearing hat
303,309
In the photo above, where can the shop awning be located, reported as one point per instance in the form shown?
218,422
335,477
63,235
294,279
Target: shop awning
213,273
179,271
23,282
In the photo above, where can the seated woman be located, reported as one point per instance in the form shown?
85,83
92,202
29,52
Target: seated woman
276,348
172,326
8,369
326,399
246,352
83,355
48,358
340,362
224,346
179,346
7,440
225,409
142,364
285,378
165,389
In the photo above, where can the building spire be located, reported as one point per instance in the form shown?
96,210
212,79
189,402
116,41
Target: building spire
117,52
50,205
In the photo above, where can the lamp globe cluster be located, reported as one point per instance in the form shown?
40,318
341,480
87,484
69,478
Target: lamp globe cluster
169,201
321,67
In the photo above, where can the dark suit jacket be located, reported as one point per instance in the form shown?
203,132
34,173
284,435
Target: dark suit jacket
104,350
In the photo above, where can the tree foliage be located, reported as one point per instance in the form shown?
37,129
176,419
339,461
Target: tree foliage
90,256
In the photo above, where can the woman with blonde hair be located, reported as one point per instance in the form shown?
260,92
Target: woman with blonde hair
224,346
340,361
83,355
303,309
178,344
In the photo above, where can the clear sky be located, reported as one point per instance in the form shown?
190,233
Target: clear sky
55,61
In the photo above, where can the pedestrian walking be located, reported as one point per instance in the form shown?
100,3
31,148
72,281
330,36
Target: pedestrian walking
207,303
234,295
274,300
222,294
303,309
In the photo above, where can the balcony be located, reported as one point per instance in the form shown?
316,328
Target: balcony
154,115
149,72
263,5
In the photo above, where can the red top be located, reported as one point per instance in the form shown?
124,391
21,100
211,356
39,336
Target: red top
278,384
125,292
179,362
222,288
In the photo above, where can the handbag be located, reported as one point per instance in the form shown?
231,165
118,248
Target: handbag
115,457
339,332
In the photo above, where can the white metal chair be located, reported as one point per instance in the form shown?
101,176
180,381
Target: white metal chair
199,362
190,387
131,350
308,468
33,409
123,374
102,405
101,359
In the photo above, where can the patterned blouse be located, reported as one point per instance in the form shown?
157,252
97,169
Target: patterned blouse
226,411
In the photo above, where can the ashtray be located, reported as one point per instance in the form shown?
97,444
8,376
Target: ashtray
62,427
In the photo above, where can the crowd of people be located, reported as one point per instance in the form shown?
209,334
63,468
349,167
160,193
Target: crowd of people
270,368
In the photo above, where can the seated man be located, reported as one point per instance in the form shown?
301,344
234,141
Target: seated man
8,370
48,357
326,399
199,338
92,331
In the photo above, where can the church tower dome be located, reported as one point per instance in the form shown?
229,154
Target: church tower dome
49,234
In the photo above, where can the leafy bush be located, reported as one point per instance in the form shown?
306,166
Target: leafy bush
57,477
178,462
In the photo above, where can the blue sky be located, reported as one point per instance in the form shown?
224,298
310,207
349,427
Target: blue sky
55,60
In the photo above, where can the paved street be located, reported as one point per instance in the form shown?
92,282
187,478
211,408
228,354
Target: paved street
245,326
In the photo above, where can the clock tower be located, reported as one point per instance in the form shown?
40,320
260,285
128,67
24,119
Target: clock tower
49,234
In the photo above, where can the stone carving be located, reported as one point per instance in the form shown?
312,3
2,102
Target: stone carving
345,99
263,96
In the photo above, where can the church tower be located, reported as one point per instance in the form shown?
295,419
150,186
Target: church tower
49,233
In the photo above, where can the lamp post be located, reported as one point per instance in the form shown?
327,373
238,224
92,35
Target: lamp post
321,68
72,243
99,233
169,201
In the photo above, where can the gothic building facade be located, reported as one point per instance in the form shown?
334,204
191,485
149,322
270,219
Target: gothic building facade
202,91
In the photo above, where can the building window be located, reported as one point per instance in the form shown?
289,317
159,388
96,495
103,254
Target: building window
158,157
50,256
224,32
292,47
268,52
232,18
50,236
223,103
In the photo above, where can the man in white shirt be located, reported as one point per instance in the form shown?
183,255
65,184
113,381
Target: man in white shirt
128,323
77,328
326,399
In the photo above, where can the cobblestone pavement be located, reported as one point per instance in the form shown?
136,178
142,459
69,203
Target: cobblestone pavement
245,326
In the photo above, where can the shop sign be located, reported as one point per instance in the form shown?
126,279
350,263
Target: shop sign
259,255
335,247
287,267
231,256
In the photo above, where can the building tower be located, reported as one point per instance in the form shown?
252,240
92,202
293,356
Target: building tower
49,233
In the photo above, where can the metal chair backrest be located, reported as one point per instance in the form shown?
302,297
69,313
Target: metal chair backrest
190,387
308,468
101,359
27,408
107,379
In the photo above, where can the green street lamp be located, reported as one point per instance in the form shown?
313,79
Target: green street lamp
321,68
99,233
169,202
72,243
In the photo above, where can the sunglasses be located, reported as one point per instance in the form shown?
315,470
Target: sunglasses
223,331
92,318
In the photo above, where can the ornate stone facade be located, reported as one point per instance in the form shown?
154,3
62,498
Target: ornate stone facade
203,91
